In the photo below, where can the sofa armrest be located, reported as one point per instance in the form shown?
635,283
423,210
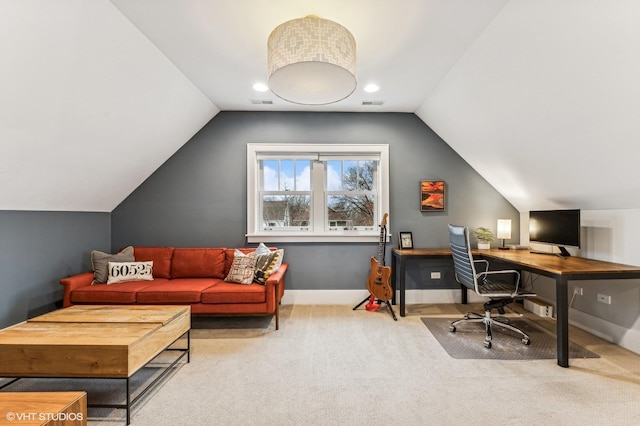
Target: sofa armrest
73,282
277,280
278,275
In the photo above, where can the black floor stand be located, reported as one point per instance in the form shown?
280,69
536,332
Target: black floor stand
386,302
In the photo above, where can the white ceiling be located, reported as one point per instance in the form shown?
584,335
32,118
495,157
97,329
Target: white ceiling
541,97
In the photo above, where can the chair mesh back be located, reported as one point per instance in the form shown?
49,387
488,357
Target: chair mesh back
462,258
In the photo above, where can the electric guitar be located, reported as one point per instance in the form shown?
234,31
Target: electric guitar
378,280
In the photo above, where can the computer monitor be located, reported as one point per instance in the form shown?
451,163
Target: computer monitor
556,227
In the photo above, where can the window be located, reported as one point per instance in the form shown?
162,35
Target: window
316,192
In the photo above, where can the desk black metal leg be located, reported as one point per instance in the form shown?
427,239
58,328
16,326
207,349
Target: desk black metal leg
403,264
562,321
393,279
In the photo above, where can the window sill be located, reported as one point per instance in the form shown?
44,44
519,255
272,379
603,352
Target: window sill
345,237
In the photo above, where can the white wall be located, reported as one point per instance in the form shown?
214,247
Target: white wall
610,235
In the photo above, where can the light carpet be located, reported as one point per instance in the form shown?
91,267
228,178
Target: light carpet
330,365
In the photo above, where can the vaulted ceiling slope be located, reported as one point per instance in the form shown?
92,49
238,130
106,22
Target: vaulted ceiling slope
539,96
89,107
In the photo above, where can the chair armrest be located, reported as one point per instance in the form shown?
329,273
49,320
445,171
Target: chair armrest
504,271
73,282
485,262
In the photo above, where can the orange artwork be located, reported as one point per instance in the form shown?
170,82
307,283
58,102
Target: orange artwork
431,195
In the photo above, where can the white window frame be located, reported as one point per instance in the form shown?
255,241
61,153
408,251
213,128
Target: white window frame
254,232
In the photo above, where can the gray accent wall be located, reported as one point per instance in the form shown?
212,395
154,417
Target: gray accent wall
37,249
198,197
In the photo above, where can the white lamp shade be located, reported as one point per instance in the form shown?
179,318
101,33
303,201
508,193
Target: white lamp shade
312,61
504,228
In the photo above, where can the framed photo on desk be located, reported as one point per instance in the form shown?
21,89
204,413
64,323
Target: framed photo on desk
405,240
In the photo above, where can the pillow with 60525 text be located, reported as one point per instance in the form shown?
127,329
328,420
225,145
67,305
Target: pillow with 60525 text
130,271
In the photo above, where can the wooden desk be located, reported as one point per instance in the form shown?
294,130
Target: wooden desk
562,270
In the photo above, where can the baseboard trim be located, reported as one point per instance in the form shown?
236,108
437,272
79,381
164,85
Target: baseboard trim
614,333
346,297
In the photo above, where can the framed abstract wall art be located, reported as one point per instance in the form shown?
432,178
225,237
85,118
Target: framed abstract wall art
432,195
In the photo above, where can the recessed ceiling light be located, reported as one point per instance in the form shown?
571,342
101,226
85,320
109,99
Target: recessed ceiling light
260,87
371,88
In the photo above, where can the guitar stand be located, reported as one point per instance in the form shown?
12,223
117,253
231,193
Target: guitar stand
393,314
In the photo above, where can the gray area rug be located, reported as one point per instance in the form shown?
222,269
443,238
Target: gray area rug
467,341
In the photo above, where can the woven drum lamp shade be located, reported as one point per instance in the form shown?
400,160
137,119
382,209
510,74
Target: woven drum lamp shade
312,61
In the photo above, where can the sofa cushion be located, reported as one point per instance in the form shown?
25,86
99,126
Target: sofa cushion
198,263
242,268
226,292
100,262
115,293
179,290
161,257
130,271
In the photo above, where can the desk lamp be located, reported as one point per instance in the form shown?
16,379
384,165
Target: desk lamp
504,231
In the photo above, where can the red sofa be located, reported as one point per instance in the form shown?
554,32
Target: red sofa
184,276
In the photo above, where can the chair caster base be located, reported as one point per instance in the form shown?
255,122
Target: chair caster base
487,344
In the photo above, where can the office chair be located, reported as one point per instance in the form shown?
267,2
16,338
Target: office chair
501,287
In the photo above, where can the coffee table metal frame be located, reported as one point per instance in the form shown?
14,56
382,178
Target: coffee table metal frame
129,401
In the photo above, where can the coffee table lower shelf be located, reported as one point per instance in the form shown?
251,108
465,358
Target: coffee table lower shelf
129,401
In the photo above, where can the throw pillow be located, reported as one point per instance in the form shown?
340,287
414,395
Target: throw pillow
266,265
278,260
262,249
130,271
242,268
100,262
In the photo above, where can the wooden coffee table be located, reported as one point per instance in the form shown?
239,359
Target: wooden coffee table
43,408
94,341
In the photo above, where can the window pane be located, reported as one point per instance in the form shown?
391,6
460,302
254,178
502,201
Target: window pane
303,175
280,211
287,182
350,175
365,175
334,175
348,211
270,175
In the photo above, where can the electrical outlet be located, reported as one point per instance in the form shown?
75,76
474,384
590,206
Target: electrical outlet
435,275
578,291
603,298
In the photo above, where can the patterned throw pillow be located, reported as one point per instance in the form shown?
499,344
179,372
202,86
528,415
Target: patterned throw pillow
267,264
100,263
130,271
242,268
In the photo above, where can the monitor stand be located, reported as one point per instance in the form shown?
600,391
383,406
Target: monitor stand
563,252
